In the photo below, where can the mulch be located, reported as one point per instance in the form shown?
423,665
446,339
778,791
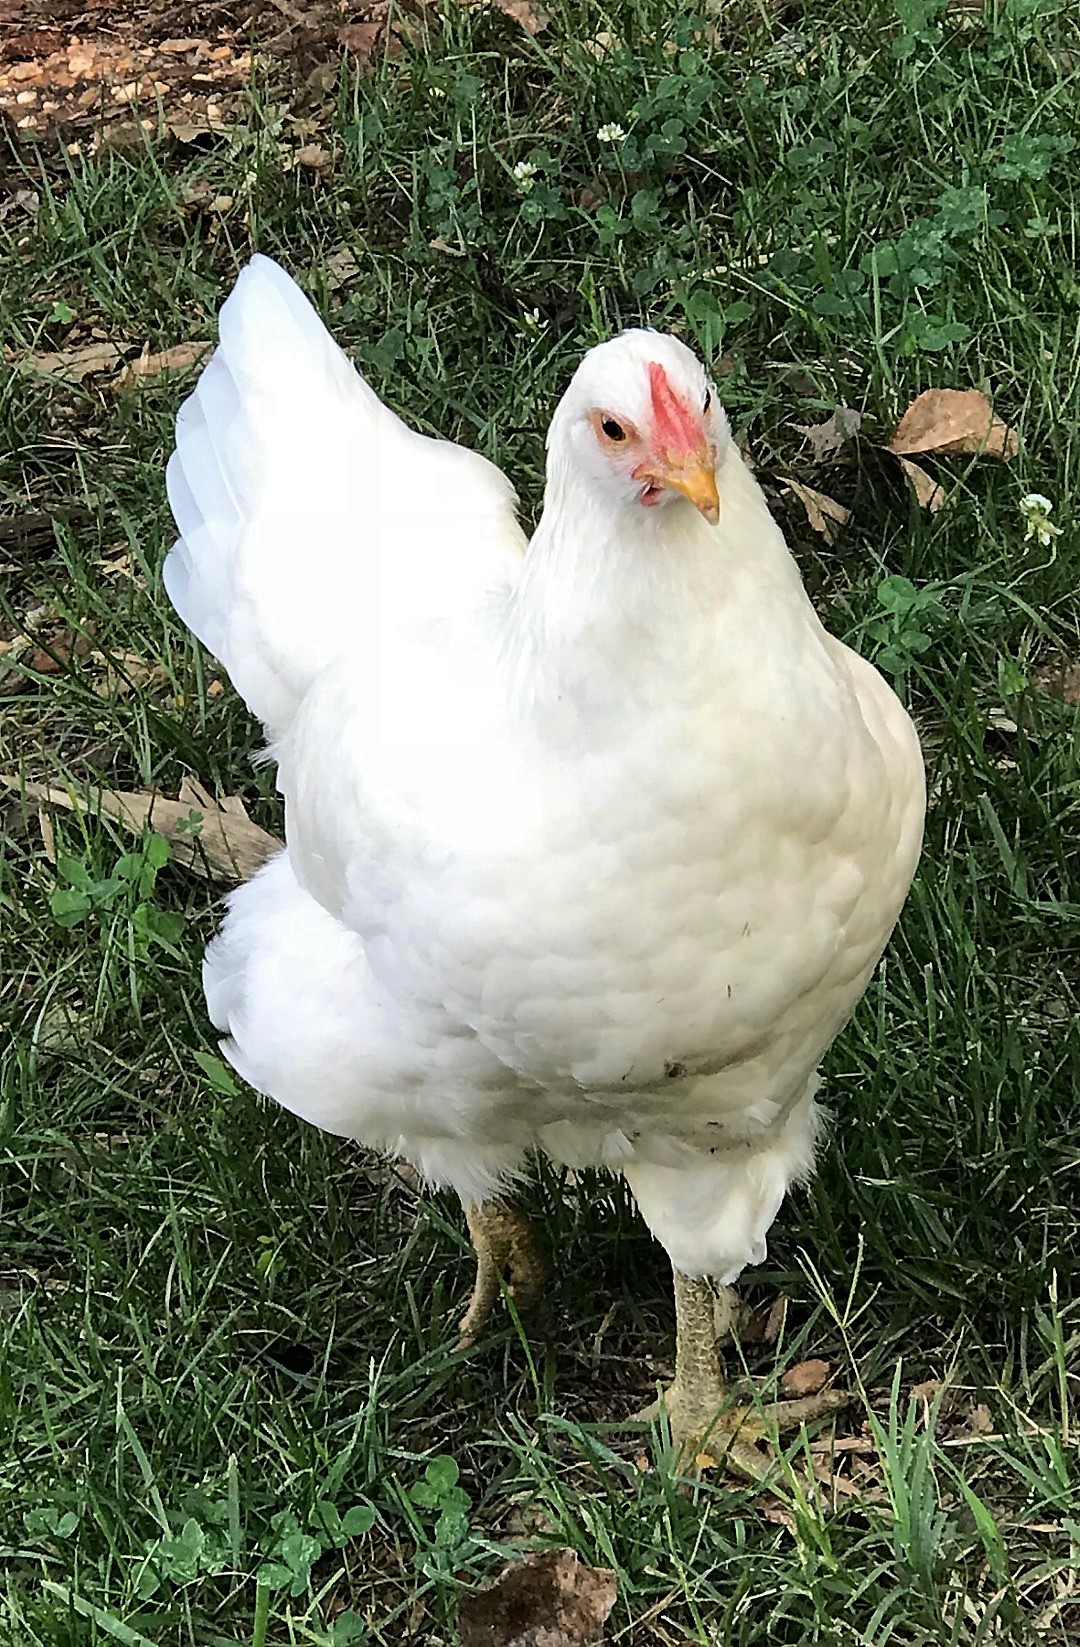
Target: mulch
90,71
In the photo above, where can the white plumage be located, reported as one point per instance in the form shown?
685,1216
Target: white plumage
591,849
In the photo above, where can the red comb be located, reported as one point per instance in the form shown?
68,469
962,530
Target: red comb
676,428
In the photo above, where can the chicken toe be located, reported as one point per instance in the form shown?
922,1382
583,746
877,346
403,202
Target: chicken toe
507,1252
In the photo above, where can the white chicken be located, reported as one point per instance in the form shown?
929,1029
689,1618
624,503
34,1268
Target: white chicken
593,841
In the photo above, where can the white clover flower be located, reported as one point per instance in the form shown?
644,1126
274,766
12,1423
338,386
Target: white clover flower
611,133
523,174
1036,512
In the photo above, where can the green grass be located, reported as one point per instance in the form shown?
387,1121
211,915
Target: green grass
216,1323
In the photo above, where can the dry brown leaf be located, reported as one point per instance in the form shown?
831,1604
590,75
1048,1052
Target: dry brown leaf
323,77
845,1444
78,1159
364,40
550,1599
48,834
936,1391
591,196
982,1420
776,1511
123,671
340,267
180,358
14,1281
928,1391
826,439
23,200
43,662
228,846
953,421
119,566
314,157
927,490
601,44
72,365
1061,680
527,1520
805,1379
824,513
763,1325
32,43
188,129
52,649
839,1486
777,1317
533,18
61,1028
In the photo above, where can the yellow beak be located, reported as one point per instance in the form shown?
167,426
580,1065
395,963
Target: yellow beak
695,478
697,481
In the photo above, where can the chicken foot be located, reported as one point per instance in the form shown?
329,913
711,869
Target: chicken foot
703,1420
506,1247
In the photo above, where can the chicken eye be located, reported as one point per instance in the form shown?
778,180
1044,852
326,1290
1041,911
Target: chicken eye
613,430
708,400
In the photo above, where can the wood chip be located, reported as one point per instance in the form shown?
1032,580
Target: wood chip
225,846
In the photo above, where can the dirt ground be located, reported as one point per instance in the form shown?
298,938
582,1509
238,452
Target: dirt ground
93,71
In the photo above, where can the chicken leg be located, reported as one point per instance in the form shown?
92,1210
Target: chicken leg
506,1246
703,1420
